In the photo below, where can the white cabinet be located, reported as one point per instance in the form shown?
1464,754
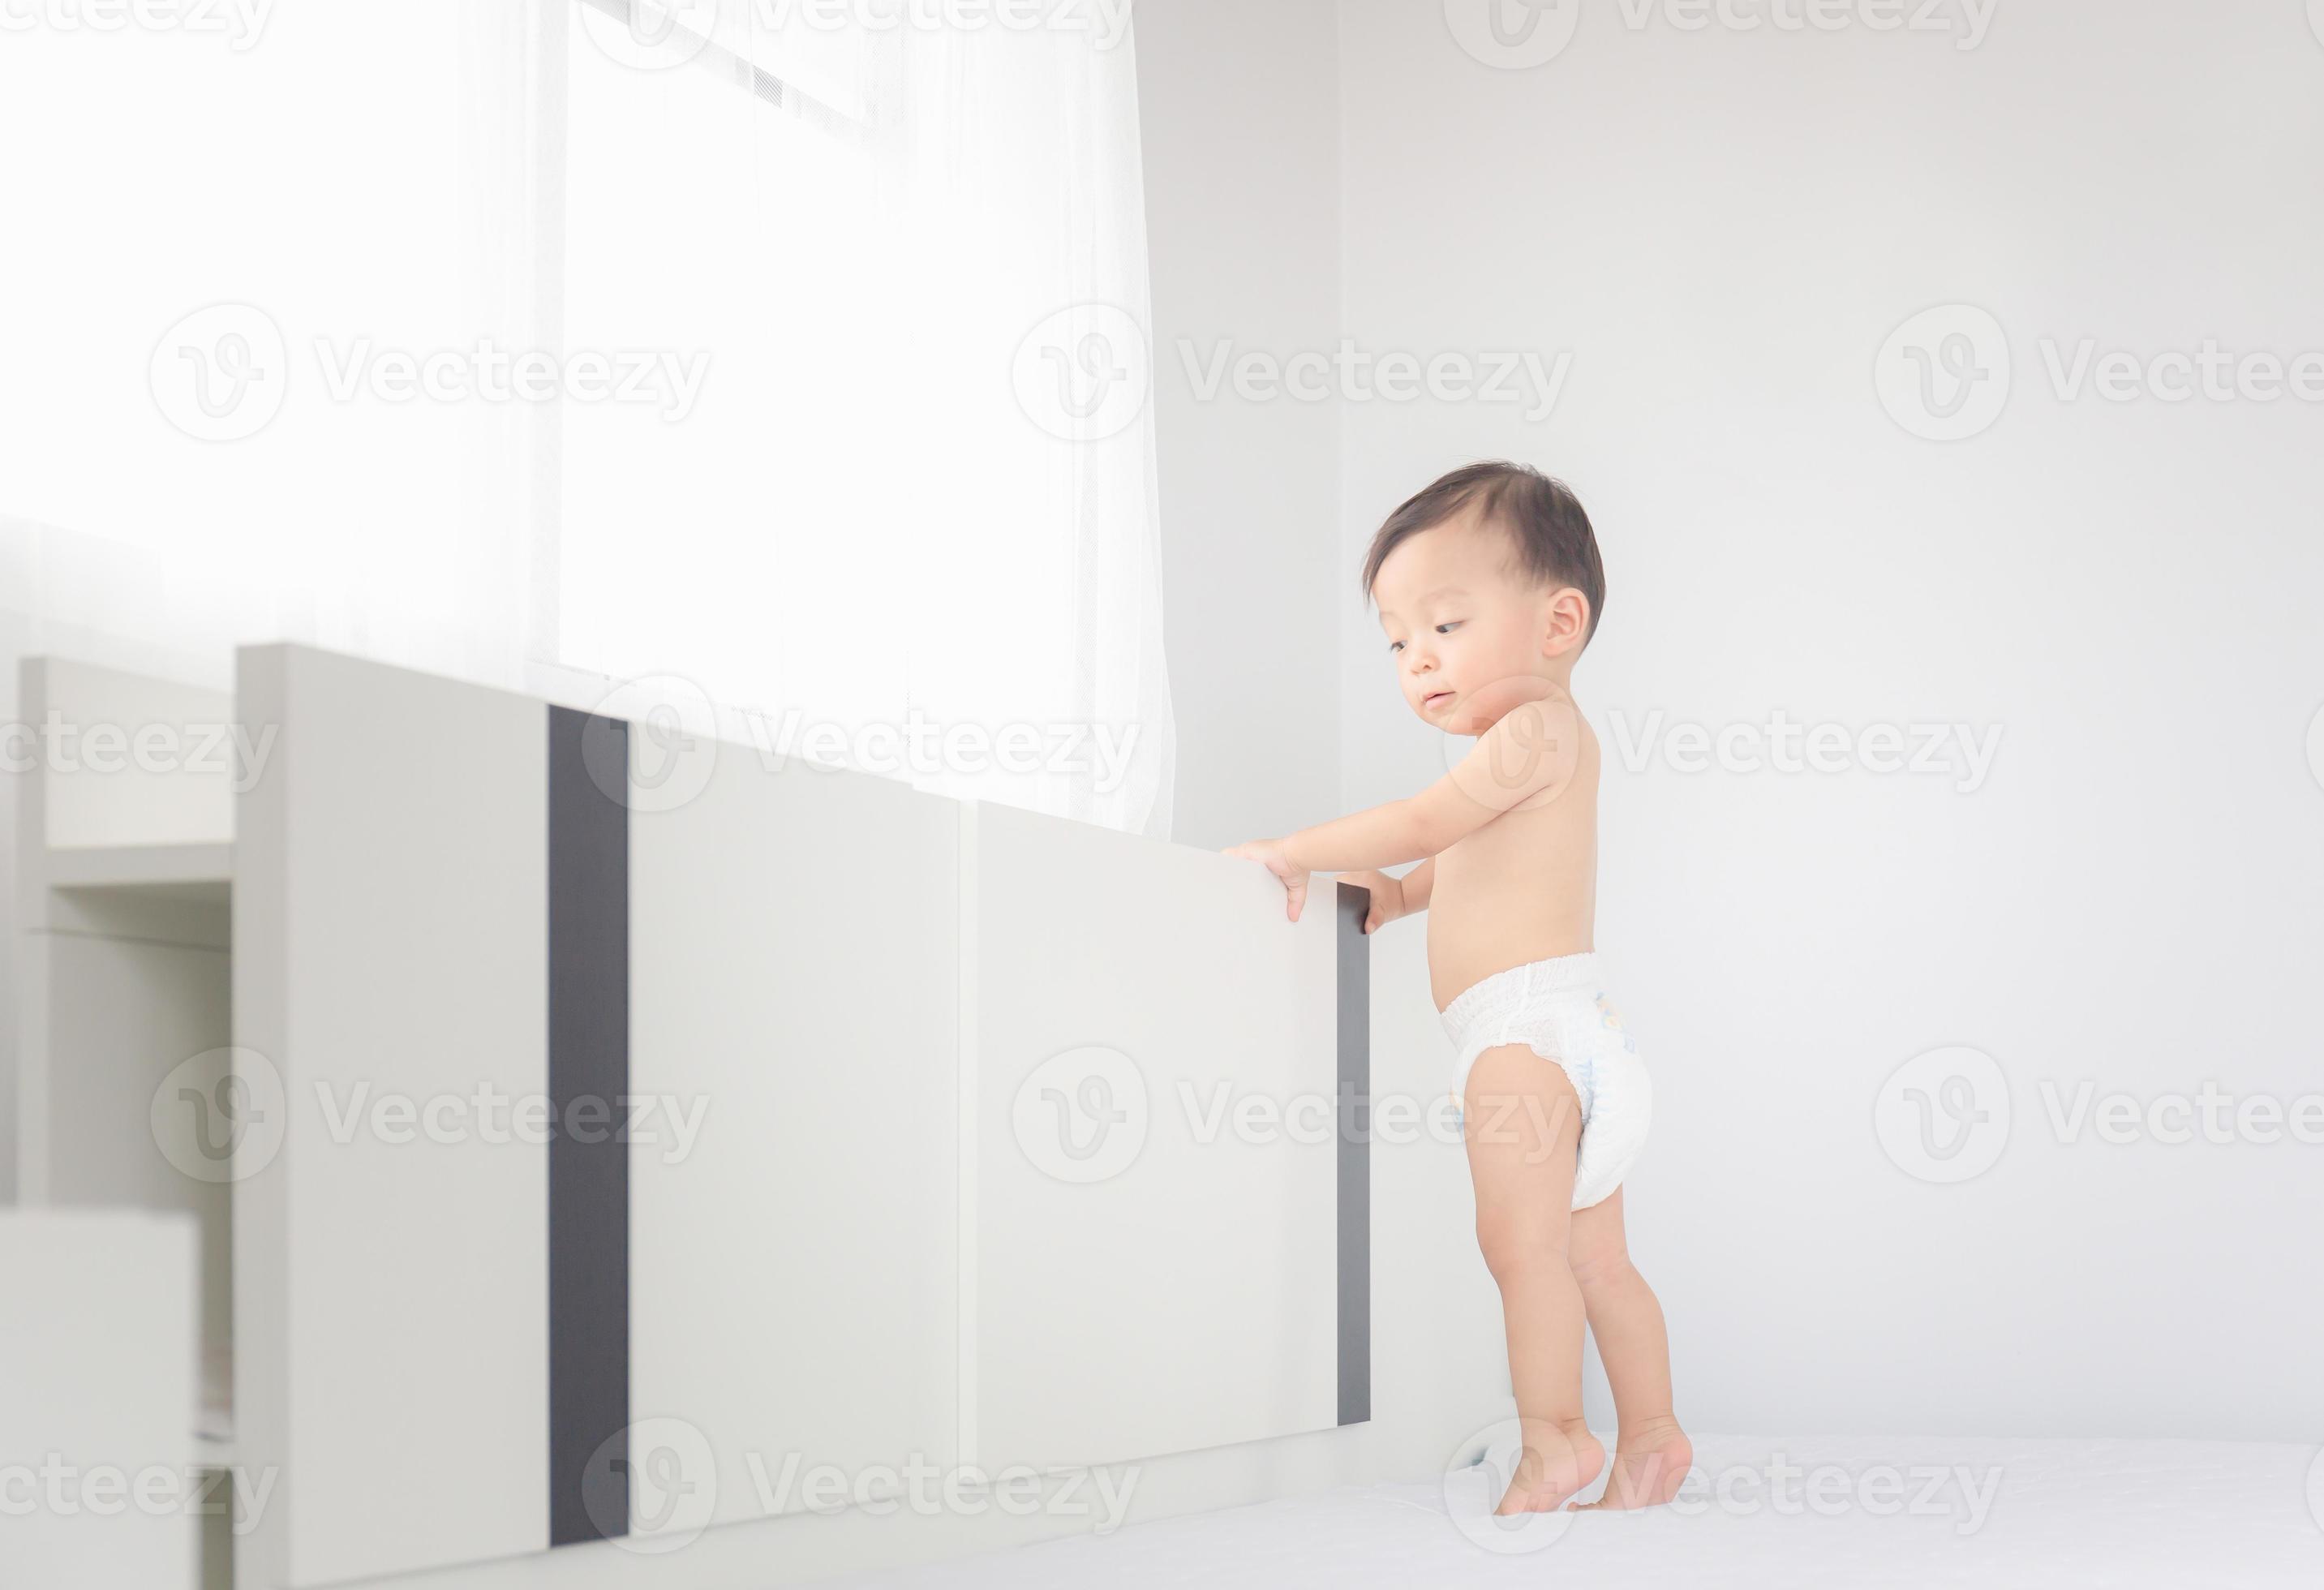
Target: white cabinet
586,1151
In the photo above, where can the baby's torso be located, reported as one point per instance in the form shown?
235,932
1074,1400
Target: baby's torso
1521,888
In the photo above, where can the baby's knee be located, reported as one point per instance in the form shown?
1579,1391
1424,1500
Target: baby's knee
1519,1243
1601,1265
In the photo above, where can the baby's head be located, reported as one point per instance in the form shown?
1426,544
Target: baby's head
1488,584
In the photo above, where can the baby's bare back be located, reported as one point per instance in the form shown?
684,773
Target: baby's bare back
1521,888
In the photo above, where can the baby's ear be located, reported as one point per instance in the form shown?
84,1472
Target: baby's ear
1568,626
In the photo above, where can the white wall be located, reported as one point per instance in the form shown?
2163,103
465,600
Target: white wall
1723,227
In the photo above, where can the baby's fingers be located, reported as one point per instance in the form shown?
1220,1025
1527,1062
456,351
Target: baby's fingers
1374,885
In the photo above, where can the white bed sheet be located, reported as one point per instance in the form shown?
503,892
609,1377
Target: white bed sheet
2140,1515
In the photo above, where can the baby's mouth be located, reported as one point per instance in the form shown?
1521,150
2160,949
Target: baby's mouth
1431,702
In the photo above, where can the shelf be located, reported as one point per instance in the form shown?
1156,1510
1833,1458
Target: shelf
195,868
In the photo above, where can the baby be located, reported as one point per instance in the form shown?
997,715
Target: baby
1488,586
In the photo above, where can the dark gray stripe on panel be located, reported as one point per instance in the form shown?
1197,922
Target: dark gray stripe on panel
588,1160
1355,1112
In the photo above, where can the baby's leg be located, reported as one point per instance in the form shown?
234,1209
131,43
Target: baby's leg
1652,1454
1522,1120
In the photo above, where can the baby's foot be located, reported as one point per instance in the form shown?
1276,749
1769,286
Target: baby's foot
1650,1463
1557,1461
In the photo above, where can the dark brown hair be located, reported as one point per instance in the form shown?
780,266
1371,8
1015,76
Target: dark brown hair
1554,541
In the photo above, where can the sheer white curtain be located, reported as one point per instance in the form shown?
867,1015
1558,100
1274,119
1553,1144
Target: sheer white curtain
836,327
221,250
846,225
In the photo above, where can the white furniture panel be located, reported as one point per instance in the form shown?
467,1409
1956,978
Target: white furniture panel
145,762
121,831
1187,1300
390,1282
793,954
123,1015
121,964
96,1332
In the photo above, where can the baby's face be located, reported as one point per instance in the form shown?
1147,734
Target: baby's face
1467,636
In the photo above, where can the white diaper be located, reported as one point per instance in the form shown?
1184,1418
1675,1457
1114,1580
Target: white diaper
1559,1007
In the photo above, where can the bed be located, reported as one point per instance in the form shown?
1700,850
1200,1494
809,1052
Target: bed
1994,1514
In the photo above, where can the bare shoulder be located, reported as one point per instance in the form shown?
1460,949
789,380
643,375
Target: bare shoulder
1538,750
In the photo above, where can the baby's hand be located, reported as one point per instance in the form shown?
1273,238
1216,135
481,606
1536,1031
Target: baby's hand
1269,852
1388,897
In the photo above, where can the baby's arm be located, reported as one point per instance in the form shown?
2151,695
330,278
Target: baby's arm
1527,757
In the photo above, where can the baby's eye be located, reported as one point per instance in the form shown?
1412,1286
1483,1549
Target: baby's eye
1447,627
1394,647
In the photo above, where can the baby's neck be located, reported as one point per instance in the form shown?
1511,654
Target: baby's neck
1558,683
